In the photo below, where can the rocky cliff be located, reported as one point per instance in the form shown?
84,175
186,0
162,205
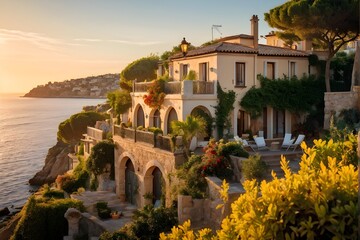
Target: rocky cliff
56,163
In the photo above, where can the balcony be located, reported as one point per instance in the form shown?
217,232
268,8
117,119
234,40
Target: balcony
158,141
95,133
186,87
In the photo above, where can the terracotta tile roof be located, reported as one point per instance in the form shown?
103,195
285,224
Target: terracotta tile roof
224,47
266,50
236,37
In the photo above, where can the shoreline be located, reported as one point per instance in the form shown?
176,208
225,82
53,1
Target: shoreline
70,97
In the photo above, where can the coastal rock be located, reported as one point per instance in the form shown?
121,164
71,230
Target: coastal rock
7,231
56,163
3,212
100,108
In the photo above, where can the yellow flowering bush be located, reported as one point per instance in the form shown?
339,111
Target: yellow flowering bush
318,202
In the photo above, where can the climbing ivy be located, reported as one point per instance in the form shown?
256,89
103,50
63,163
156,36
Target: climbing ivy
222,110
294,95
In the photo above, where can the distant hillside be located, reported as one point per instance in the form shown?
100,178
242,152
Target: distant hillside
92,87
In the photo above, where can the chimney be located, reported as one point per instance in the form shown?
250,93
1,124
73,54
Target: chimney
255,30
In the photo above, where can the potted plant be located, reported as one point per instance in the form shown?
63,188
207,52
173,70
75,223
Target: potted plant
115,214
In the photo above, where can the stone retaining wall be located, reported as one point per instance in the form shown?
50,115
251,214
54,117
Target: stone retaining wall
202,212
144,158
337,101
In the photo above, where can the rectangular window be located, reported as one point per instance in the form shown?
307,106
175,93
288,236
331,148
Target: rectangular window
184,71
204,71
240,74
270,70
292,67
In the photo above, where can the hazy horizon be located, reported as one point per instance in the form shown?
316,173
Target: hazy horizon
43,41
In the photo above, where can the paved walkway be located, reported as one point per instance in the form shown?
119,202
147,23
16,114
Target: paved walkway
91,198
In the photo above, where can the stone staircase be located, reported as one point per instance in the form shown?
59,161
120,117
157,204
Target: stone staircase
272,160
90,198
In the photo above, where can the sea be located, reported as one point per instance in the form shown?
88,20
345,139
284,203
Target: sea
28,128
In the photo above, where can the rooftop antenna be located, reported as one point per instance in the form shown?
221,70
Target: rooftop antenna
216,27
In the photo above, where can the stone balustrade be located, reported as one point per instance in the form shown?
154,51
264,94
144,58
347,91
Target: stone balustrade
185,87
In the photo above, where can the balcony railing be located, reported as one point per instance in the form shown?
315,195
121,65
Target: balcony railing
180,87
173,87
95,133
201,87
158,141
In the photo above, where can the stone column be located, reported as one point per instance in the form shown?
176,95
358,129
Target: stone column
73,217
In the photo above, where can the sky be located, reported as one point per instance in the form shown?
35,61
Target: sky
45,41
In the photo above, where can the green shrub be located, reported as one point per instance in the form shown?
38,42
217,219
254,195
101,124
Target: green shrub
147,224
101,155
101,205
103,210
194,184
81,149
115,236
44,219
232,148
52,193
104,213
317,202
155,130
191,75
72,182
254,168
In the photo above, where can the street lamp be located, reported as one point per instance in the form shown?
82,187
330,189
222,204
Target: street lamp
184,46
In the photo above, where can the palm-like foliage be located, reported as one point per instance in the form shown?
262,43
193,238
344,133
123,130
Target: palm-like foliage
191,127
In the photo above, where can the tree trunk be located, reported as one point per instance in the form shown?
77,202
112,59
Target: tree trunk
327,74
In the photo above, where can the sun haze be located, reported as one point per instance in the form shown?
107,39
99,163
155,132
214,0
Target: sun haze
42,41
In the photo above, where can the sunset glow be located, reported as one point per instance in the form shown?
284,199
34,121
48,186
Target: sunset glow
42,41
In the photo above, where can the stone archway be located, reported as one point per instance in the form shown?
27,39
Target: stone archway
172,116
131,184
125,166
155,119
139,117
154,183
203,112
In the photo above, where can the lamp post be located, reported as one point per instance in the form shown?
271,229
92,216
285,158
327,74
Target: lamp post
184,46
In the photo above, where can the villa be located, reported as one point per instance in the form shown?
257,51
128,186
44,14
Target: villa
143,160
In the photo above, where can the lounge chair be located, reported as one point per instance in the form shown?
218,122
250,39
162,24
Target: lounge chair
287,141
244,142
260,143
298,141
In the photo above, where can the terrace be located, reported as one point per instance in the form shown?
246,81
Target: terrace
186,87
271,156
156,141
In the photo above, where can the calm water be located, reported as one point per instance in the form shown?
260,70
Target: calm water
28,128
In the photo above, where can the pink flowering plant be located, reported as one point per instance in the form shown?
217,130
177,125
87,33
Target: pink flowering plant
155,94
214,163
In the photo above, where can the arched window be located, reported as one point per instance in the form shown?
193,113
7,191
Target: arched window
172,117
157,119
140,117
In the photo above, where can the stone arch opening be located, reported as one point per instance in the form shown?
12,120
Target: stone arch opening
139,117
154,184
155,119
203,112
172,116
131,183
